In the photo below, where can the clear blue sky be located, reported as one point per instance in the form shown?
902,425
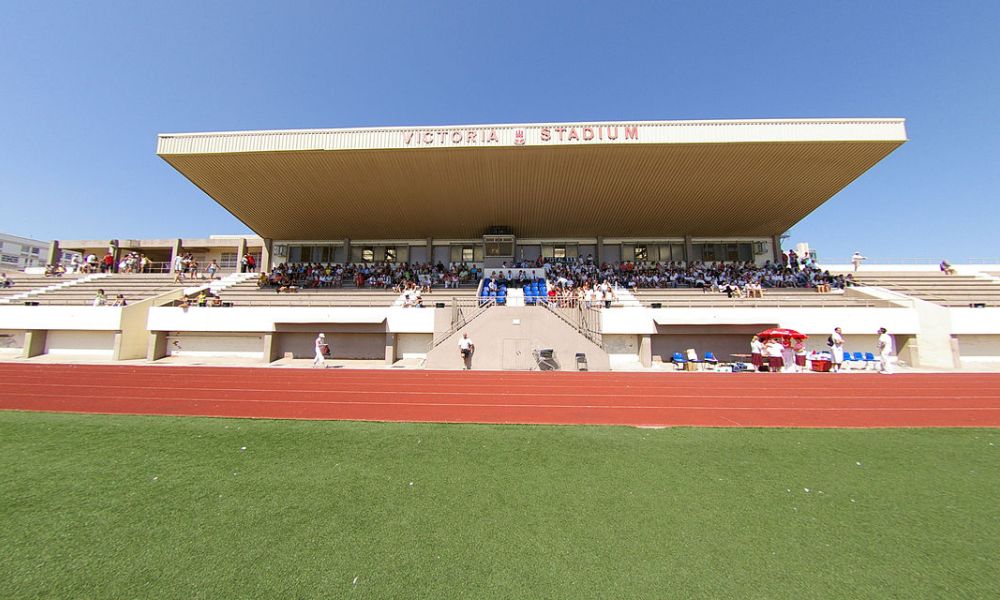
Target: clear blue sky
86,86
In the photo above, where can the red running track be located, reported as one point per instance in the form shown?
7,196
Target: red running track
641,399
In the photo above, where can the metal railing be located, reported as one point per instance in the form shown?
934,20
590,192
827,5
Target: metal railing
586,321
828,302
910,261
463,312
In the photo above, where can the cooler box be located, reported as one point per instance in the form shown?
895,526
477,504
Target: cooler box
821,365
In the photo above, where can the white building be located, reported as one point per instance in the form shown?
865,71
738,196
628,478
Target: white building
18,253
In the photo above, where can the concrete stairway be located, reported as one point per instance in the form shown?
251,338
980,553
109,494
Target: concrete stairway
506,336
34,285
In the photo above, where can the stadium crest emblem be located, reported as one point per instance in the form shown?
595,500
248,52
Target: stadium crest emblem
519,137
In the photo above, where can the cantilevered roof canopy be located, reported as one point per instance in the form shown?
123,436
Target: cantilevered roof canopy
627,179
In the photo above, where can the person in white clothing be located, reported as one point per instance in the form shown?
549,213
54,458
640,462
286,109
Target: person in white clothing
466,348
772,349
321,349
856,260
837,338
884,347
756,353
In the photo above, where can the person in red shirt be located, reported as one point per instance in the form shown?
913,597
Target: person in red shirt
108,263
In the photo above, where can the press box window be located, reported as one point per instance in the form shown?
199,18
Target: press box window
640,253
390,255
368,255
468,254
559,252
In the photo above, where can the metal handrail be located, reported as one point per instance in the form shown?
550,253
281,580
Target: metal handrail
910,261
460,317
586,321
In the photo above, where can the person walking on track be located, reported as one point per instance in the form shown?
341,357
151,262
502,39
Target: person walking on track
322,349
466,348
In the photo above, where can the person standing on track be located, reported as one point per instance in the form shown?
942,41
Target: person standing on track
837,348
884,347
466,348
322,349
756,352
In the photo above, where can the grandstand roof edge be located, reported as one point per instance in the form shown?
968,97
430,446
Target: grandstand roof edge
535,134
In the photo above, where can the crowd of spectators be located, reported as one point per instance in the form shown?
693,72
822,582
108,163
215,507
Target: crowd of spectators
389,276
740,278
733,278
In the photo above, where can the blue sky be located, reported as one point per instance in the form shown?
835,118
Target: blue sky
86,86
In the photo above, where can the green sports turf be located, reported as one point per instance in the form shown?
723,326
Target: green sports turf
159,507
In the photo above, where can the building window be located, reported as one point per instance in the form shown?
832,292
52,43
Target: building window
368,254
390,255
227,260
641,253
468,254
12,260
36,251
559,252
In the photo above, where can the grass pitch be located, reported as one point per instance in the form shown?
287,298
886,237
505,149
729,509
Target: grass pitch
160,507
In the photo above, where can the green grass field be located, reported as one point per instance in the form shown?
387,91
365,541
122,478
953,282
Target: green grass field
159,507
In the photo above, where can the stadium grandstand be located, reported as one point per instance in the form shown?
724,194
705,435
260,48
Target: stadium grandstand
610,245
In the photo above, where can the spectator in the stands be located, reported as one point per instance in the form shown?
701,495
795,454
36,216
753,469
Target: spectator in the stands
5,281
119,300
947,269
100,299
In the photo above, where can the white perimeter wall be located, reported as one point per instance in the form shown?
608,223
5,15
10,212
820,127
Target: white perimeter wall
235,345
263,318
92,318
811,321
413,345
81,343
623,350
979,348
11,342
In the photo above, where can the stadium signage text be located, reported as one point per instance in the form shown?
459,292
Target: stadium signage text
561,134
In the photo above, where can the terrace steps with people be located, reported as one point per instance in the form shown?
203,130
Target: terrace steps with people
936,287
133,286
24,285
248,293
771,297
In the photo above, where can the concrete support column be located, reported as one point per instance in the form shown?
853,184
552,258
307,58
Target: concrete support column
116,254
776,248
271,347
241,251
157,348
688,249
430,251
347,251
265,256
646,350
116,353
600,251
390,348
54,253
175,251
34,343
